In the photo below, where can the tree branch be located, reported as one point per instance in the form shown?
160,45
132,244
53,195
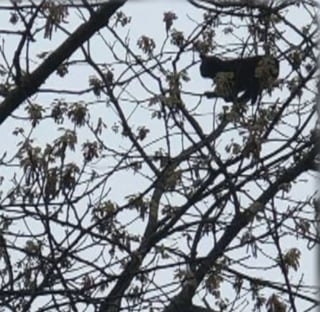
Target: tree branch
32,82
239,222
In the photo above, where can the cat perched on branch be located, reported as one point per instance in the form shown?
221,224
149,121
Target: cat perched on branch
249,75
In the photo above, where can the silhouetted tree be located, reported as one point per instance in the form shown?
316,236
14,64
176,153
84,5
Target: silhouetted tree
123,188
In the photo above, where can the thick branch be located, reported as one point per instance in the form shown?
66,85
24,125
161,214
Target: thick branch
32,82
239,222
